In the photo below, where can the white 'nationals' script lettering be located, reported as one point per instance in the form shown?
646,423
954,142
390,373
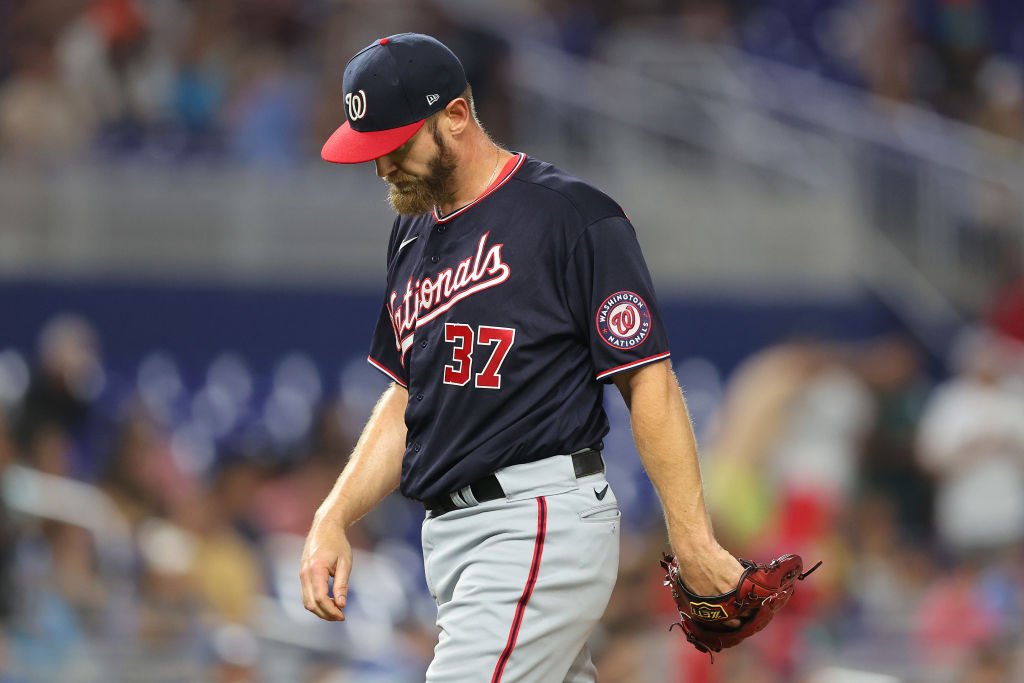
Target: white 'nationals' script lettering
428,298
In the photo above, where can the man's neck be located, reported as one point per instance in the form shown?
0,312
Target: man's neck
477,170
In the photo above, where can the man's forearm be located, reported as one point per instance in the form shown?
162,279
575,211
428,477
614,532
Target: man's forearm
668,450
375,467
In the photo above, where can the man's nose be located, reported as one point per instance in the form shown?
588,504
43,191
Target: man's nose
385,166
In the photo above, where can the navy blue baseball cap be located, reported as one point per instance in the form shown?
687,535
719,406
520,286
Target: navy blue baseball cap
391,87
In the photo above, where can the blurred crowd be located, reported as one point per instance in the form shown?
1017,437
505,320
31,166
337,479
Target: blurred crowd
962,58
255,82
258,82
131,552
128,552
151,525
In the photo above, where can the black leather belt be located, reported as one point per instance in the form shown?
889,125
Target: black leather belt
584,463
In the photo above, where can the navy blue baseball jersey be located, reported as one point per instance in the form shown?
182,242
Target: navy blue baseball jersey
504,318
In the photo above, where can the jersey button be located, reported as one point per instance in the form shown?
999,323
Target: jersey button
441,229
416,447
419,397
435,258
423,344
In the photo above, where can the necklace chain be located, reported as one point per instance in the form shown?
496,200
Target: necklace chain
497,160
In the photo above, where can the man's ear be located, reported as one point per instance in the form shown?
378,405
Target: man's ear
458,115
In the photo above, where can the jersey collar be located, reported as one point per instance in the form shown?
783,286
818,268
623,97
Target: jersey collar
511,166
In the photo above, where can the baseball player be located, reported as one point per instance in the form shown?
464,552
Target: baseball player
514,292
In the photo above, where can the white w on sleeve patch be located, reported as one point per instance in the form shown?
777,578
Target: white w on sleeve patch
623,320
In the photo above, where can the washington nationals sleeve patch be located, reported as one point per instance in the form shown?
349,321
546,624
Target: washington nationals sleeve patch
623,320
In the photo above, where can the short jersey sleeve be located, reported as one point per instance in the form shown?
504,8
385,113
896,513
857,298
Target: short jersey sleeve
610,295
385,347
385,352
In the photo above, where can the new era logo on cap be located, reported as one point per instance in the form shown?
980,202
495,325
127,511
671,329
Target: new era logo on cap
380,116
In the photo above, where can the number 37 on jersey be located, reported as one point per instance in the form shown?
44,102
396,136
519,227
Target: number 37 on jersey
492,342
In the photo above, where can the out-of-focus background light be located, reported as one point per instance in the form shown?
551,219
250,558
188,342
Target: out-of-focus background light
829,195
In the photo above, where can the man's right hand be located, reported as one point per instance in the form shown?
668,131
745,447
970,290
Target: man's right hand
327,553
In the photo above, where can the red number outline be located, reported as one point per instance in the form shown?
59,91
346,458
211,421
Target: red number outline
462,336
502,338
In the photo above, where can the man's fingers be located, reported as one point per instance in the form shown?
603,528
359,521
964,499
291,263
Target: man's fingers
306,577
307,588
341,585
318,601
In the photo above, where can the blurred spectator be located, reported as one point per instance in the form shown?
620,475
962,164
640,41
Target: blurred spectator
576,26
236,482
989,238
878,41
227,568
960,33
109,60
1000,87
200,586
39,116
894,370
287,503
199,89
269,114
49,449
817,455
7,548
1005,312
66,381
67,377
140,475
767,446
972,438
887,576
953,624
757,397
991,664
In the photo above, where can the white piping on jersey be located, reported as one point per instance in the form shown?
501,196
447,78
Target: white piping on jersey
380,366
634,364
453,214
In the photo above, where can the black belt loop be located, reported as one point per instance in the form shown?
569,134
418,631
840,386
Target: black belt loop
584,463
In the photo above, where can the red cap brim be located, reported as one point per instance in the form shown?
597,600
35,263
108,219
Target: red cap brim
347,146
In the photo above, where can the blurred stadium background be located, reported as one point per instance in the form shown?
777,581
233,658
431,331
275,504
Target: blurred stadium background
829,195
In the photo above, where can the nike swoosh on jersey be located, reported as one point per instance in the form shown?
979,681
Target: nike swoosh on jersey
601,494
407,242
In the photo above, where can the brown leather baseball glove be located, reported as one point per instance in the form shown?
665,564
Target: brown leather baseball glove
763,590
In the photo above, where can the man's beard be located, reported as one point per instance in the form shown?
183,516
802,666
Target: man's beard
411,196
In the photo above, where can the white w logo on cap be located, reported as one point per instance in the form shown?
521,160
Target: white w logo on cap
356,104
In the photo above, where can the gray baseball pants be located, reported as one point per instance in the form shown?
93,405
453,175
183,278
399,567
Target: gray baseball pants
520,582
